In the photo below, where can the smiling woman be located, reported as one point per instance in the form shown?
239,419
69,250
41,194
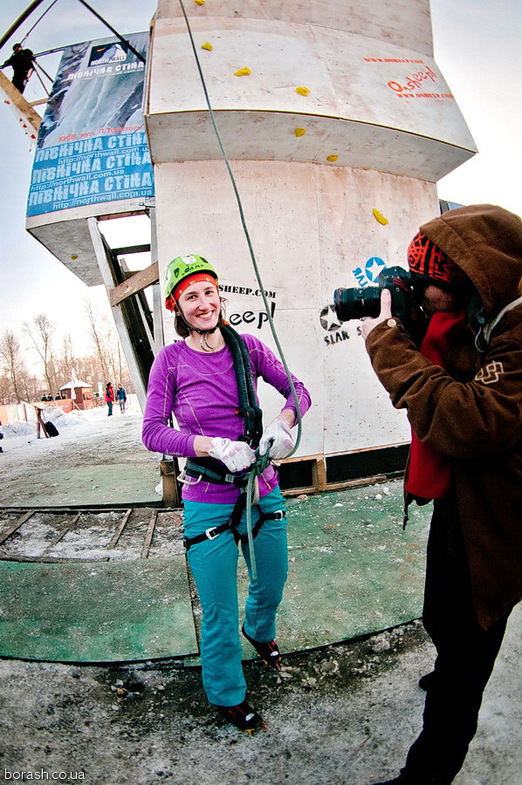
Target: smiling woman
193,295
208,383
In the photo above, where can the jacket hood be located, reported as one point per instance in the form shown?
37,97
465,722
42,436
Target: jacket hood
486,242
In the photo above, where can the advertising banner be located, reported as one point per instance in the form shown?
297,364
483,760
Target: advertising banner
92,145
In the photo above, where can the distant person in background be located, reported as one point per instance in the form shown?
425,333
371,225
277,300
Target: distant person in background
109,397
121,397
1,437
22,63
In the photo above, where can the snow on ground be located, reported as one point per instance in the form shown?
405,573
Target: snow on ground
342,715
95,459
71,426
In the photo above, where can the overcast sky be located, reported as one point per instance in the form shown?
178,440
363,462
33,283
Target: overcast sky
477,48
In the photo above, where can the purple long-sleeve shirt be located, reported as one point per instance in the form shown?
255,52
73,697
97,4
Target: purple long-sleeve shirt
200,390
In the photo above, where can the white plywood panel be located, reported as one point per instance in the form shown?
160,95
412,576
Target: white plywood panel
349,76
371,103
350,234
387,21
66,235
311,226
197,213
271,136
358,413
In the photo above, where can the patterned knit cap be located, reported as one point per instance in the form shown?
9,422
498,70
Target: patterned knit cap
427,259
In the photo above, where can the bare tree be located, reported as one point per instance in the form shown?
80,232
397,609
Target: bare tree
98,339
67,363
13,366
40,334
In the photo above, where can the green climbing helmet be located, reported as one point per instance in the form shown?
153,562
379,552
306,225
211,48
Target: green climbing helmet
183,266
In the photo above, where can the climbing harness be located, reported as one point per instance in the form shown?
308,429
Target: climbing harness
244,503
210,470
232,523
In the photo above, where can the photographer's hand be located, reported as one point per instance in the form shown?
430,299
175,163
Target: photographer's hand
367,324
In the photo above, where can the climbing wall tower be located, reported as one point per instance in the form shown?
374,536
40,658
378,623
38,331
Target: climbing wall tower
338,124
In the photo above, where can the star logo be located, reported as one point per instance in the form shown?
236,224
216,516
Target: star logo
328,319
373,268
371,272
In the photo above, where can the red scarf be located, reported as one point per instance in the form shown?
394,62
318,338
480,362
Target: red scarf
429,472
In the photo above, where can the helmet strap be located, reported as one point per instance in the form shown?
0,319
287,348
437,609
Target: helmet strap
203,342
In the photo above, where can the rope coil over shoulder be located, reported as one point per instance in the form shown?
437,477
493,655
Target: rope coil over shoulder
249,409
212,470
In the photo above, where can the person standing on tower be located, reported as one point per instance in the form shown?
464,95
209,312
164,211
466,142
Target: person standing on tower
22,62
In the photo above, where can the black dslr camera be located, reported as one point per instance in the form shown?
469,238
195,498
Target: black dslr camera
357,303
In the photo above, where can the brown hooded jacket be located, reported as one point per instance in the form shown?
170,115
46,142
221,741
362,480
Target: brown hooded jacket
474,417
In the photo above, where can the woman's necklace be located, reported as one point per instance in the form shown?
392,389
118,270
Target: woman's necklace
206,347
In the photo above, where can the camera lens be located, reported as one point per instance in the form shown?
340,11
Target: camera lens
356,303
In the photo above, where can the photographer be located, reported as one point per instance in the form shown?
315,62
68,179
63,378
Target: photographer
462,389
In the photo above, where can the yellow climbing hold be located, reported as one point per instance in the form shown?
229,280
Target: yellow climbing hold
199,2
302,90
243,72
300,131
332,158
380,217
207,46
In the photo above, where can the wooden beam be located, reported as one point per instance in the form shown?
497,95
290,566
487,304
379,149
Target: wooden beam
144,248
319,474
134,284
16,98
169,486
16,525
120,529
150,534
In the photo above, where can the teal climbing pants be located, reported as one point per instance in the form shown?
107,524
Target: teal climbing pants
213,564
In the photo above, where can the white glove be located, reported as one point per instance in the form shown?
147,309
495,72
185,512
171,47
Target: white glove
277,440
237,456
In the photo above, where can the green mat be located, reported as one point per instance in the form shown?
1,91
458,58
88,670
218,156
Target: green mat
352,571
96,612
